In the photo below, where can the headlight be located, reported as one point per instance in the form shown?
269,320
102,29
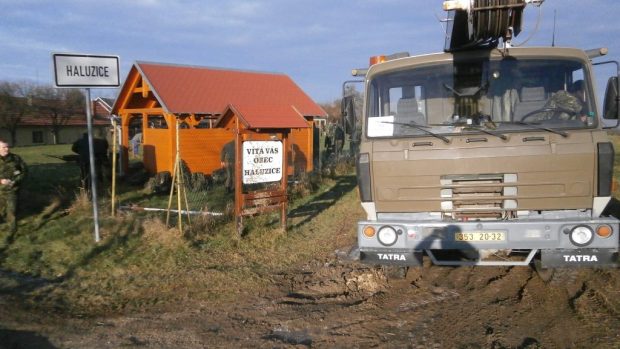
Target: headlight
387,236
581,235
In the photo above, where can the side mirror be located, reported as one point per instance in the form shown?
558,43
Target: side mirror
347,110
612,99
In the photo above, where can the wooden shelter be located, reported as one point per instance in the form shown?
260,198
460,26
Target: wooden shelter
155,96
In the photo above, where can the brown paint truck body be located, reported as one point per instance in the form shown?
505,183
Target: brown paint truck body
499,157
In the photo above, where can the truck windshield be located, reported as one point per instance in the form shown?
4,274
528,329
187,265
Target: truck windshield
477,95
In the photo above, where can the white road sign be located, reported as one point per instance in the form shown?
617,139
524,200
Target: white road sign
80,70
262,161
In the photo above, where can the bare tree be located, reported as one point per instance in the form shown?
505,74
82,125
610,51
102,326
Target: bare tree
15,103
334,108
58,106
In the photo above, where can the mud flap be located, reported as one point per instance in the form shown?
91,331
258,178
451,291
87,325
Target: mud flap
392,257
579,258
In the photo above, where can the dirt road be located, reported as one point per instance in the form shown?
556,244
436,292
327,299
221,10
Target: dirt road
338,303
329,300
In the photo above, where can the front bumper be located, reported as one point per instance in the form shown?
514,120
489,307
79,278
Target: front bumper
550,236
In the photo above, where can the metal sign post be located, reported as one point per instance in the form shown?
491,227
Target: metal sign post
87,71
91,157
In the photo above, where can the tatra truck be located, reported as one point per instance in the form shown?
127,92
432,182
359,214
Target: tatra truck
486,153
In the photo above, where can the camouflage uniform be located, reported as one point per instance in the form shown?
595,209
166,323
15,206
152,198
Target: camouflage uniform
338,139
12,167
567,104
561,106
334,141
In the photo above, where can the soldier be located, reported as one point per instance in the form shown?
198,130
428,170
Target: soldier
563,106
81,148
329,144
12,172
334,140
338,139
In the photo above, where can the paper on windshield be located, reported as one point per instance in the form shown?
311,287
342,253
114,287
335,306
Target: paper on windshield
381,126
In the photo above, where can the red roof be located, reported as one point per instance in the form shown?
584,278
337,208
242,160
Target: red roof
202,90
255,116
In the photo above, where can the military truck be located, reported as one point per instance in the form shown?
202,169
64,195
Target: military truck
486,154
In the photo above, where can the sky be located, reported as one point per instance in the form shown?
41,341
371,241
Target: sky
315,42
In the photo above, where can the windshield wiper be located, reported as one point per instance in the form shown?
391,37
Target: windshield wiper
477,127
501,136
537,126
418,127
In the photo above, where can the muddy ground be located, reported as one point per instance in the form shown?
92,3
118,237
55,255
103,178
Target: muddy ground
332,301
338,303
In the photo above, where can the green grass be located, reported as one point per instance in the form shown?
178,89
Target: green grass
139,254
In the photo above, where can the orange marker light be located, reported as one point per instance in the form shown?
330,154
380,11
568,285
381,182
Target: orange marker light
369,231
604,231
376,60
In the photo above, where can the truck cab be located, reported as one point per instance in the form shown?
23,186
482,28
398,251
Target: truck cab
486,157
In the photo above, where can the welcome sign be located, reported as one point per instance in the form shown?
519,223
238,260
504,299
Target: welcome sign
73,70
262,161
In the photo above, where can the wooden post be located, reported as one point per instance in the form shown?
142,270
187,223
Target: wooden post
284,180
238,180
114,153
179,181
174,178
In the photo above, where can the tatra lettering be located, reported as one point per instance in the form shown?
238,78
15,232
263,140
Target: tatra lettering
391,257
580,258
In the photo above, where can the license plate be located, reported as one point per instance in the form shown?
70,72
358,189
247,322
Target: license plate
480,236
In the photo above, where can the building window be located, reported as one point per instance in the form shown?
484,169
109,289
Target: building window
37,137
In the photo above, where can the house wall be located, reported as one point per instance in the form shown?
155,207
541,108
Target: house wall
201,148
25,136
157,150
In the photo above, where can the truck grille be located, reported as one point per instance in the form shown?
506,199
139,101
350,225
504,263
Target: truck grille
481,196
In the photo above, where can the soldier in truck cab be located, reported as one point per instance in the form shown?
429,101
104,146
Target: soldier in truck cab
567,105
